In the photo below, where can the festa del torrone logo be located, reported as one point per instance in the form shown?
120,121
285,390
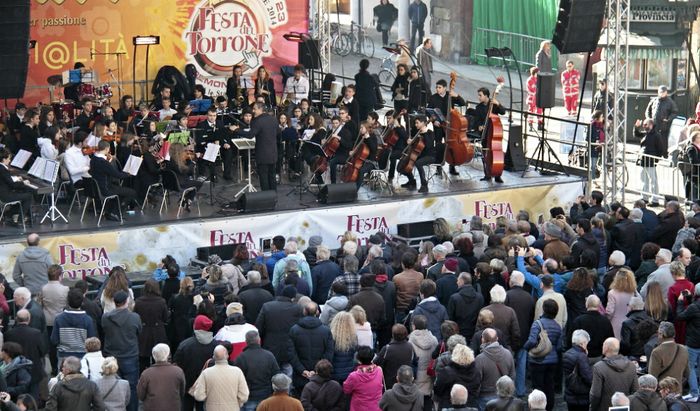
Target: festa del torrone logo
224,33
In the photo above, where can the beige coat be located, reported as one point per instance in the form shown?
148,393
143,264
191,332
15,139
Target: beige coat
222,387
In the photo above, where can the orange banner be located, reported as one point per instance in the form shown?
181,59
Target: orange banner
214,35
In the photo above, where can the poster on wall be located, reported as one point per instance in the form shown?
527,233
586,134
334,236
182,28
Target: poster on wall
213,35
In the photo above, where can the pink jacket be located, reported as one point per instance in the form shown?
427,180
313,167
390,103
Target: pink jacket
365,386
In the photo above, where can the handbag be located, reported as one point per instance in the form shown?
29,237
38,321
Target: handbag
575,384
433,361
543,346
196,386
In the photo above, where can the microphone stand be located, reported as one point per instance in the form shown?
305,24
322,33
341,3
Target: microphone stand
119,55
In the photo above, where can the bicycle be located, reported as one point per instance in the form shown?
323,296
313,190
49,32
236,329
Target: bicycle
360,42
340,42
387,72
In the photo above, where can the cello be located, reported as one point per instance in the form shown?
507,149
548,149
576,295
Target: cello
360,153
390,138
410,154
493,134
458,149
329,148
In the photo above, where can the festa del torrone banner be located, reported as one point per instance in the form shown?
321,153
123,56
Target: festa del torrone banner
141,249
214,35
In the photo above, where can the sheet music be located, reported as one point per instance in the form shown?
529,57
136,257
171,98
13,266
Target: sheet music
212,152
44,169
133,163
92,140
308,134
21,158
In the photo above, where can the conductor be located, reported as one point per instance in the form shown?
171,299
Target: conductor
263,129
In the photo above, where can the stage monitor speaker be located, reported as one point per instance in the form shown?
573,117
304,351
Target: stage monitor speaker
578,25
258,201
546,89
338,193
415,230
309,56
14,47
224,251
515,157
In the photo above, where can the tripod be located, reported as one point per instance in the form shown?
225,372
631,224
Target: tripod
542,151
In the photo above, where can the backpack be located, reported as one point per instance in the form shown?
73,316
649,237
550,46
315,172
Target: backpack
543,346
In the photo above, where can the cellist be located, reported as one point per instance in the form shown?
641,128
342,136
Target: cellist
346,131
426,157
395,153
478,119
439,100
370,141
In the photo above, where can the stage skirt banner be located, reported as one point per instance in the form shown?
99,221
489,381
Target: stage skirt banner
141,249
214,35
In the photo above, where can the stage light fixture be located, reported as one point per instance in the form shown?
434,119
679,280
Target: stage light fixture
295,36
146,40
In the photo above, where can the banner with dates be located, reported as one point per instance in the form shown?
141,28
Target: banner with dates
140,249
214,35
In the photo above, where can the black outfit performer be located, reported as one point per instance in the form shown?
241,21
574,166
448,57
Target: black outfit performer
347,136
85,118
103,172
11,190
28,141
426,157
365,92
310,153
478,119
416,94
440,102
269,86
353,108
185,176
212,130
264,129
395,154
400,89
369,164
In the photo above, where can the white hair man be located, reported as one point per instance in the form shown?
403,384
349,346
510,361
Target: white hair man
537,401
647,398
291,249
439,254
504,317
280,400
662,275
459,396
614,373
31,265
597,325
23,299
523,304
221,385
162,385
619,400
74,388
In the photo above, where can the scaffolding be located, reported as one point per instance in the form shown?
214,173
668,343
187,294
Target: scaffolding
616,65
320,29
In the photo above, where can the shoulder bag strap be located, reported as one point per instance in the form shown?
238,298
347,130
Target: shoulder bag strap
104,397
668,367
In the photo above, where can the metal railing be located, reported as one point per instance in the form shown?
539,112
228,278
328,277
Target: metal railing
524,47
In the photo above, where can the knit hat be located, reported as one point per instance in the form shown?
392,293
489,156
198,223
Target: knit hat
203,323
289,291
315,241
120,297
552,230
234,308
451,265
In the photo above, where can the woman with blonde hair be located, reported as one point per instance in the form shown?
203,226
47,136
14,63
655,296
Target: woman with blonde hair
116,281
182,312
345,339
362,327
622,289
114,391
425,256
441,231
460,370
656,303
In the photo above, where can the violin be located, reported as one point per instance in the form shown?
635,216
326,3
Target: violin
390,138
360,153
493,135
410,154
112,138
329,148
458,149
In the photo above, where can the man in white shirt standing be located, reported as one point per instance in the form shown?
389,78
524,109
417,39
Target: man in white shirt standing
297,87
77,163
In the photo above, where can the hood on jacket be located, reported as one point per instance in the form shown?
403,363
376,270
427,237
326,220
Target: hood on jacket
406,393
367,373
423,339
309,322
588,238
34,253
16,364
649,398
119,316
495,352
338,302
75,383
618,363
468,291
203,337
430,304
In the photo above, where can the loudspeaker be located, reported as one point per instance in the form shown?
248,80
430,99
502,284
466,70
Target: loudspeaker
258,201
309,56
578,25
415,230
546,90
14,47
338,193
515,157
224,251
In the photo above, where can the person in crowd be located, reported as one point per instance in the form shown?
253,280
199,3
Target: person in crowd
364,386
424,343
669,359
407,285
688,310
53,299
446,282
74,392
548,293
91,363
577,372
336,303
387,289
153,311
253,297
505,318
117,281
31,266
363,329
614,373
275,320
370,300
121,334
597,326
310,341
396,354
646,398
34,347
16,369
537,401
671,390
430,307
72,328
171,285
622,289
222,386
670,221
524,306
350,277
258,366
182,313
23,300
403,395
322,392
115,392
662,275
291,252
544,364
234,330
681,284
280,399
464,305
507,399
631,342
493,362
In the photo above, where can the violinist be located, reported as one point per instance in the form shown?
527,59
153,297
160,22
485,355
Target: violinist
76,162
399,89
370,141
184,168
127,146
439,100
86,117
166,112
139,124
47,119
107,176
107,112
394,154
478,119
416,91
265,87
346,132
110,134
48,143
310,152
426,157
149,172
235,89
126,109
165,92
349,102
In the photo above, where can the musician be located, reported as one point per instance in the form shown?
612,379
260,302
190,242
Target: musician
105,175
126,109
165,92
478,119
263,129
235,89
212,131
76,162
166,112
140,122
439,101
346,132
200,94
305,106
86,117
349,102
149,172
426,157
29,135
395,154
310,150
17,118
184,168
11,190
47,119
416,91
48,143
297,87
399,89
70,91
107,112
286,134
265,87
370,164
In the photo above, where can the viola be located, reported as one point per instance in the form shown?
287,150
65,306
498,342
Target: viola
458,149
493,135
390,139
329,148
351,169
410,154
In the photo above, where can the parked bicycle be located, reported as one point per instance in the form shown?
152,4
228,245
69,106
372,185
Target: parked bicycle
387,72
356,41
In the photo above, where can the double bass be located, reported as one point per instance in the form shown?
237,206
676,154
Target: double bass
410,154
360,153
493,134
390,138
458,149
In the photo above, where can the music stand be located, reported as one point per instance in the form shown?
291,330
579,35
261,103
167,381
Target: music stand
247,144
49,173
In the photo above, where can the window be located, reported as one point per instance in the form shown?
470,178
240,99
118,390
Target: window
659,72
634,74
681,77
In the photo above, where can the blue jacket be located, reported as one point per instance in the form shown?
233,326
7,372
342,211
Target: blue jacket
555,337
530,278
322,277
573,357
161,274
271,261
434,312
70,330
343,364
417,13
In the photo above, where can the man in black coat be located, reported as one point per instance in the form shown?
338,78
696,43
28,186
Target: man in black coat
440,101
366,92
310,341
323,274
628,237
29,134
523,304
34,346
213,130
586,210
387,289
275,320
653,145
464,305
103,172
370,300
264,130
585,241
662,110
670,221
596,324
258,366
253,297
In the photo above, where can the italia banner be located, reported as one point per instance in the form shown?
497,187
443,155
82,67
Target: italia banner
141,249
214,35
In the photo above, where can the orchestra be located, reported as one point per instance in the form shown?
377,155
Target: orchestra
319,143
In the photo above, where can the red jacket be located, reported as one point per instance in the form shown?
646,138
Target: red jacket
570,82
531,90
